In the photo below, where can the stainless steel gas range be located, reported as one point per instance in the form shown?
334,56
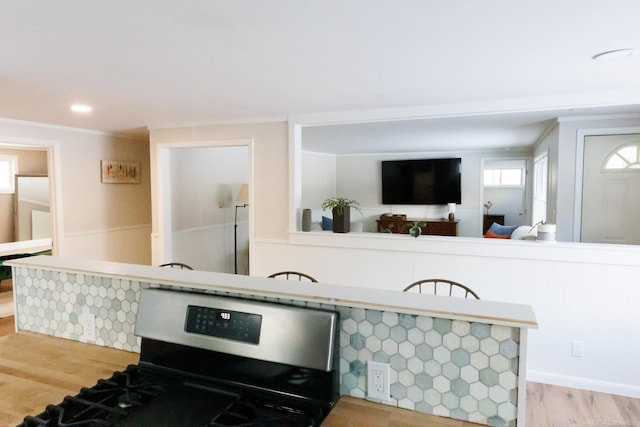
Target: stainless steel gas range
214,361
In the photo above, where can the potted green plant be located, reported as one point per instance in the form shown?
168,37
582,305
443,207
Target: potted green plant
341,210
416,228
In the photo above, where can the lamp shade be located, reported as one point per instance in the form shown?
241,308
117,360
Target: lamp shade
243,195
452,207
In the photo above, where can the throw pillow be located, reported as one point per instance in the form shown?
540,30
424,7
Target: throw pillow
502,229
491,235
327,223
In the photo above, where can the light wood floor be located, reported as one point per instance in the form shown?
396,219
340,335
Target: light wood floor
21,371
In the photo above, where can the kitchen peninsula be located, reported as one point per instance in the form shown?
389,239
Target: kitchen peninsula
452,357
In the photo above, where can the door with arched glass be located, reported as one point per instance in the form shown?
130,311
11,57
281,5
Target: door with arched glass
611,189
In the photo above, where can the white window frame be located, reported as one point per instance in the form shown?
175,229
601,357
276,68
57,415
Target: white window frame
501,170
7,185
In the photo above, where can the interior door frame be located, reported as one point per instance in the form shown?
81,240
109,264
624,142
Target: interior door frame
581,135
54,171
161,237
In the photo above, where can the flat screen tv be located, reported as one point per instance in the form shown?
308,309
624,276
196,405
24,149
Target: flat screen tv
421,181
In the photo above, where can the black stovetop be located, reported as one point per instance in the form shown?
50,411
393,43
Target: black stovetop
137,397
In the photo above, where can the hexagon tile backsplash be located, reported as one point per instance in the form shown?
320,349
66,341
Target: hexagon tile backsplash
439,366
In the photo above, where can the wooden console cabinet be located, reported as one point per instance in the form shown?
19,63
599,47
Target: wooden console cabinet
434,227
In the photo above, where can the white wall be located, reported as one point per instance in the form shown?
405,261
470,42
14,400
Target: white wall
98,221
205,183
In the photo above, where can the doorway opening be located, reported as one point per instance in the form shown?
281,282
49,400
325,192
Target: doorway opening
202,221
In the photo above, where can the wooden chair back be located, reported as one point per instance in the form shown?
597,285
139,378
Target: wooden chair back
176,265
293,275
441,287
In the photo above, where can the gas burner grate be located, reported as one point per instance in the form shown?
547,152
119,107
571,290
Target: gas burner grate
108,401
259,412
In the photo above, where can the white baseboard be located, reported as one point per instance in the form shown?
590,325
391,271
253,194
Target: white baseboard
584,383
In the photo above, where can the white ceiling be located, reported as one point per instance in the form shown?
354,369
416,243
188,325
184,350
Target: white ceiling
165,63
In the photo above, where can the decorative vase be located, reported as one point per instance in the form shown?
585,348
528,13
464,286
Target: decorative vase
306,219
547,232
415,231
342,222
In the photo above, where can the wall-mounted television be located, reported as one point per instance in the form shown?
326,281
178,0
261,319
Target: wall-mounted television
421,181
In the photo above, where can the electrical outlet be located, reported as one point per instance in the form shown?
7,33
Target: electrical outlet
577,349
88,323
378,376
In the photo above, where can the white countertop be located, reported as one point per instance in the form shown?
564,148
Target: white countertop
484,311
25,247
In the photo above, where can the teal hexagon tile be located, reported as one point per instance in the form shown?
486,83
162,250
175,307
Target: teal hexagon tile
489,377
398,334
358,314
398,362
496,421
459,387
424,381
408,321
424,352
459,413
381,356
357,368
450,370
374,316
365,354
487,407
357,341
509,348
443,326
480,330
450,400
398,391
460,357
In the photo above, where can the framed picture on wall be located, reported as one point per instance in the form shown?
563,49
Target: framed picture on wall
116,172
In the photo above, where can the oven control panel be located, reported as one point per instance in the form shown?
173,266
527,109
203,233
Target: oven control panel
227,324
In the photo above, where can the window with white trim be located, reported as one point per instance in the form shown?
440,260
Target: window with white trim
624,158
504,177
8,170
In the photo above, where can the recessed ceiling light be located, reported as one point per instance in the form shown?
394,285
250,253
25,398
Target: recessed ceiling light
614,54
81,108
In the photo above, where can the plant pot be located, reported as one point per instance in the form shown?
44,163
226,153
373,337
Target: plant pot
546,232
341,223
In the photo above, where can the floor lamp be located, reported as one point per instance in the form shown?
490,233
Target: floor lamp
241,202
